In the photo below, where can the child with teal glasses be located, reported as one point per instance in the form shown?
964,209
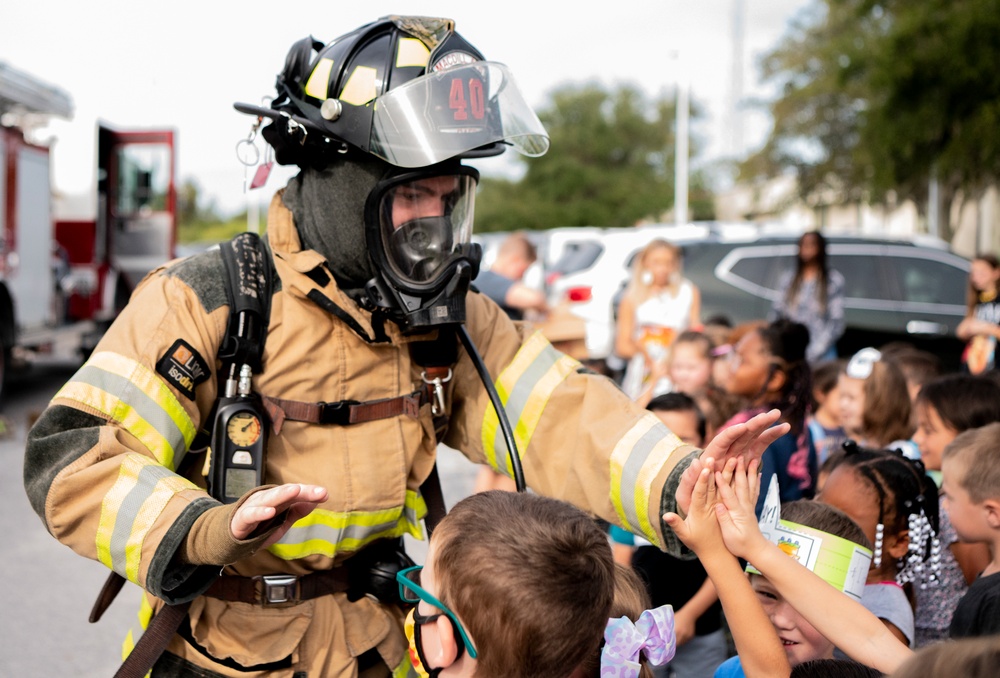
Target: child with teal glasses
514,585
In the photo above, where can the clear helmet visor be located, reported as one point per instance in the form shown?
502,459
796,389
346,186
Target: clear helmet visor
426,225
447,113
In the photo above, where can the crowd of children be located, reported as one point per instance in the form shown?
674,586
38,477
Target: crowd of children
885,492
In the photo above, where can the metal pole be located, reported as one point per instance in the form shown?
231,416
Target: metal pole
681,155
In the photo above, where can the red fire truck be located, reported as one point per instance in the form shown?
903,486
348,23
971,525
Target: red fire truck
63,281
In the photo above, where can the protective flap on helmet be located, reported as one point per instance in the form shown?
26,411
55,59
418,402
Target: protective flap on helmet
449,112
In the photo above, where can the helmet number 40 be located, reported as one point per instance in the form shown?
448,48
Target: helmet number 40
462,103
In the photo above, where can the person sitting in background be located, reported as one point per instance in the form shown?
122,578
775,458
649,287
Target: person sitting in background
813,294
502,282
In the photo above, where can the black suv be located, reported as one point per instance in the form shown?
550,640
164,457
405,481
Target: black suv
895,290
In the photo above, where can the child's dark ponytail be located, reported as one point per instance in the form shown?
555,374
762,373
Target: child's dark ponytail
908,500
787,341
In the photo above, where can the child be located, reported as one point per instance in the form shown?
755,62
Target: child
981,325
631,600
969,658
835,619
824,421
918,367
970,480
944,408
683,584
768,367
875,404
691,363
892,500
514,585
821,533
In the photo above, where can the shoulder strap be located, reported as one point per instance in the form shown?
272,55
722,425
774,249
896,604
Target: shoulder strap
249,276
248,288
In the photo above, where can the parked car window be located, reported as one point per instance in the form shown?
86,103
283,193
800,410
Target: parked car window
862,276
763,271
577,256
927,281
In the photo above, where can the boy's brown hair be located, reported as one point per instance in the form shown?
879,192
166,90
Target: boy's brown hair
978,449
824,518
968,657
531,578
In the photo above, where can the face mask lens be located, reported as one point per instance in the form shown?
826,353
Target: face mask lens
425,223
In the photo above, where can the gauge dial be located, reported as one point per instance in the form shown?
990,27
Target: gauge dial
244,429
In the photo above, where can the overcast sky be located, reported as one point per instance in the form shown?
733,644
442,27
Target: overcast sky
182,64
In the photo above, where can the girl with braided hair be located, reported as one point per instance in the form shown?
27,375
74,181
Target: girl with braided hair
895,502
768,368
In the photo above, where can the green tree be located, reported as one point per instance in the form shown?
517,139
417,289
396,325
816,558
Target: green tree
878,96
610,163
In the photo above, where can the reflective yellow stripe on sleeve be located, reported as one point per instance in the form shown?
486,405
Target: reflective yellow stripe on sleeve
328,533
132,395
524,387
635,461
130,508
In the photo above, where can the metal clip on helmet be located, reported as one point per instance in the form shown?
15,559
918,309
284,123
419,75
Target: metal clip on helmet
409,90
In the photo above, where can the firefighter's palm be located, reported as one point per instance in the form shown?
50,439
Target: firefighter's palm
262,507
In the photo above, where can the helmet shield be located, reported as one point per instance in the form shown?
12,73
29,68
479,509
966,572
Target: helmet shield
449,112
424,226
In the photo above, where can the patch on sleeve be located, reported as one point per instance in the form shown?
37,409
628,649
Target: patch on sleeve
183,368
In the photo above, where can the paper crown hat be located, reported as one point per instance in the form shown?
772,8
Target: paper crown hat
837,561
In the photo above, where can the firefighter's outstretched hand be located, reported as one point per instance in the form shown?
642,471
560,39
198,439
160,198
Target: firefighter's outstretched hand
293,499
747,440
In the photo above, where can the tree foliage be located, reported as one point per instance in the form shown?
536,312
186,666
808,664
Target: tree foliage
610,163
876,96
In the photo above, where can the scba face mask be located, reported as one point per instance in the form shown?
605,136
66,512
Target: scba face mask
418,228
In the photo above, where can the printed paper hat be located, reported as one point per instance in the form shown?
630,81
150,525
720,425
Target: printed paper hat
838,561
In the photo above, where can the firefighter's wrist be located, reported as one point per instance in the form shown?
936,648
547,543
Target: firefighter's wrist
210,540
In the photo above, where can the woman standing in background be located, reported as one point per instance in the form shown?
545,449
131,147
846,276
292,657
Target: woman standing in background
813,295
658,305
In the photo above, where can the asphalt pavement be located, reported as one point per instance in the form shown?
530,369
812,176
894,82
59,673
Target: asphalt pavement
48,590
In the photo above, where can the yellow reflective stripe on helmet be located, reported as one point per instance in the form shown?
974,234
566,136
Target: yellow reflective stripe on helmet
637,458
524,387
132,395
130,508
319,80
411,52
327,533
360,87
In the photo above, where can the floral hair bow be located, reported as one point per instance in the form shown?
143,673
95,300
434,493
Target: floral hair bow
653,635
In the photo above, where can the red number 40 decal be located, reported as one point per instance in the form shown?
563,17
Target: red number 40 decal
462,102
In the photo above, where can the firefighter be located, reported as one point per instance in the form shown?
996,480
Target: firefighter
371,255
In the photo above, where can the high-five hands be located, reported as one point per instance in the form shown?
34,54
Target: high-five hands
748,440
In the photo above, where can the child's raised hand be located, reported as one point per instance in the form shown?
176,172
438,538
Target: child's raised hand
736,510
700,529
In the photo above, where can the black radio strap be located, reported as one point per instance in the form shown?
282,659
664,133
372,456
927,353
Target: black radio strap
249,276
